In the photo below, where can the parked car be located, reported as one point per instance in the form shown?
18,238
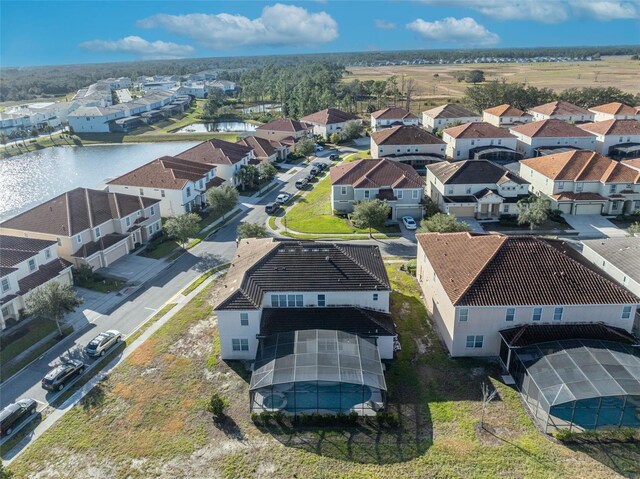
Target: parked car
309,178
409,222
271,208
333,157
15,413
59,376
319,147
314,171
301,183
320,165
102,342
282,198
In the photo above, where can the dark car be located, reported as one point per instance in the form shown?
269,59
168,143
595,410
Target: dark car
15,413
59,376
314,171
271,208
333,157
309,178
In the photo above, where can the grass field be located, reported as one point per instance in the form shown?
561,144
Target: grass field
620,72
148,419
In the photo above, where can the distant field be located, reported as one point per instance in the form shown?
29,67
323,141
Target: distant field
621,72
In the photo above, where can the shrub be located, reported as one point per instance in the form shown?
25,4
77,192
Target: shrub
412,265
564,435
217,405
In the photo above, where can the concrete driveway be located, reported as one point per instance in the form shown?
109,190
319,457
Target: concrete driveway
134,268
594,226
476,227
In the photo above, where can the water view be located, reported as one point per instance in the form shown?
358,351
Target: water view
217,126
29,179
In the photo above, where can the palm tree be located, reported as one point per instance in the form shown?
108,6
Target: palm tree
52,301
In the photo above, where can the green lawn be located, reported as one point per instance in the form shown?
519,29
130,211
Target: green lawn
312,213
102,284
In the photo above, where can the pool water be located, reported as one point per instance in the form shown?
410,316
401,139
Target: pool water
339,397
273,401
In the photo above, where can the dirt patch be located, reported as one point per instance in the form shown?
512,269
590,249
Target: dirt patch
145,353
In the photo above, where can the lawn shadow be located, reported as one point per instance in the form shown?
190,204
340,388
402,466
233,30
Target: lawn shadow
95,398
623,457
228,426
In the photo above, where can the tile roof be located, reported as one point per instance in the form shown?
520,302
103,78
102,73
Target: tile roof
405,135
583,196
393,113
560,108
634,163
551,128
527,334
582,165
613,127
506,110
43,274
623,253
77,210
262,147
450,110
470,172
284,124
265,265
4,271
216,152
478,129
350,320
166,172
101,244
376,174
496,270
31,245
615,108
329,116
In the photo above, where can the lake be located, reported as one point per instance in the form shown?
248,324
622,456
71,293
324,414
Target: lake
217,126
32,178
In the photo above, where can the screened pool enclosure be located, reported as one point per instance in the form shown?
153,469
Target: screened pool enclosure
579,384
317,371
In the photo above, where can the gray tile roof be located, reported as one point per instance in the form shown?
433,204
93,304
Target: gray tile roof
473,172
623,253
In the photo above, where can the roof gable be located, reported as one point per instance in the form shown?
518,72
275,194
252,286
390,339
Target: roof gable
551,128
216,152
329,116
393,113
405,135
450,110
506,110
470,172
284,124
479,129
561,108
376,174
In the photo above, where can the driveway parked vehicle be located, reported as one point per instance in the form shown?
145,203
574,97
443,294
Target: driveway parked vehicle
314,171
102,342
282,198
319,147
271,208
333,157
15,413
409,223
60,376
300,184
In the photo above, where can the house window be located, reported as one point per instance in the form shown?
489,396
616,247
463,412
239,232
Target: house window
468,190
188,191
5,311
79,239
473,142
561,185
557,313
47,253
415,194
162,194
244,319
450,190
612,189
537,314
399,194
375,296
464,314
475,342
615,205
626,312
59,241
511,314
321,300
141,192
96,232
366,194
505,208
579,187
152,210
5,284
458,153
295,300
343,190
240,344
127,221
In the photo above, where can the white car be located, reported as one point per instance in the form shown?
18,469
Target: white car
102,342
409,222
319,148
283,198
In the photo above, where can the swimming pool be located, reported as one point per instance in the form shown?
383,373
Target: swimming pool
333,397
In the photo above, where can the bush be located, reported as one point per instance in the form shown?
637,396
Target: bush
412,266
387,419
564,435
217,405
508,220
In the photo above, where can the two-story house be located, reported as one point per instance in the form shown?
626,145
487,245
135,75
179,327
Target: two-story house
392,116
180,185
90,227
27,264
549,135
406,141
364,180
284,130
475,188
227,157
265,150
505,115
480,140
329,121
478,285
615,111
440,117
584,183
613,136
561,110
313,318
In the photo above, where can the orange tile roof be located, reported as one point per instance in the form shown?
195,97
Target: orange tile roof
478,129
376,174
560,108
392,114
506,110
613,127
615,108
450,110
552,128
633,163
166,172
583,165
584,196
329,116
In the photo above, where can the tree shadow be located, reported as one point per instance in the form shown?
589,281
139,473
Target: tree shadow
620,456
208,261
95,398
228,426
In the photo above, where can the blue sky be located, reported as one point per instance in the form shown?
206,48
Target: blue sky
59,32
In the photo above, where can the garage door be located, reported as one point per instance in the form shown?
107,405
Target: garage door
580,209
460,211
565,208
115,254
95,262
414,212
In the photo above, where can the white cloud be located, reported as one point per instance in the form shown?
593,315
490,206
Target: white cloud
463,31
548,11
142,48
278,25
384,25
